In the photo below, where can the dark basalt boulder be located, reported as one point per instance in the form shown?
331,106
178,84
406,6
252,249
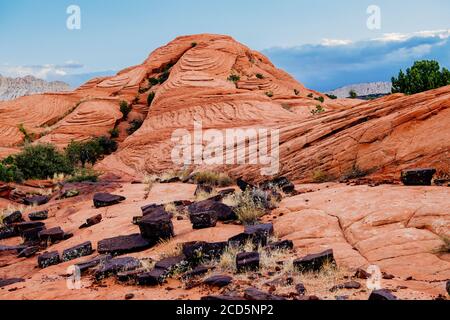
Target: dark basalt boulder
196,252
156,226
22,226
196,272
257,295
281,245
14,217
153,278
48,259
85,266
243,185
418,177
28,252
36,200
382,294
314,262
362,274
123,245
81,250
32,235
127,276
114,266
247,261
281,183
151,208
38,216
203,220
92,221
258,234
106,199
172,263
224,212
219,281
11,281
7,232
352,285
51,235
301,289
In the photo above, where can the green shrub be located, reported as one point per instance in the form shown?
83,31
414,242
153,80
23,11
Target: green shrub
248,208
28,138
422,76
134,126
320,99
332,96
234,78
296,92
81,153
84,175
310,95
319,109
259,76
41,162
193,44
114,133
125,108
163,77
150,98
10,173
320,176
153,81
269,94
213,179
352,94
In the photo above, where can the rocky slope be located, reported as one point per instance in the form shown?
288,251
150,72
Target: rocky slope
363,89
13,88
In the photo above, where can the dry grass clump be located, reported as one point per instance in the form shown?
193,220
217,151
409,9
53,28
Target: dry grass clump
147,264
169,248
248,210
10,209
213,179
320,176
203,195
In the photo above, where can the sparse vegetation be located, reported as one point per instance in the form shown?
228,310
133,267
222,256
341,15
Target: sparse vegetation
27,137
153,81
125,108
164,76
320,99
269,94
81,153
352,94
249,207
114,133
296,92
234,78
422,76
212,179
320,176
135,125
310,95
287,107
319,110
354,173
84,175
150,98
194,44
332,96
259,76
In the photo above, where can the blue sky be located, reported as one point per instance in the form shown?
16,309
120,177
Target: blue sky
116,34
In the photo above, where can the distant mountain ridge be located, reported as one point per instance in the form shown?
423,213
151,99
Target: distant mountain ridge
12,88
363,89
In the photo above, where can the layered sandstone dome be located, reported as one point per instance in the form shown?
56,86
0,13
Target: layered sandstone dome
379,138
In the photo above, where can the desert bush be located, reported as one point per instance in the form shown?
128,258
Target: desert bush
135,125
27,137
332,96
81,153
259,76
164,76
310,95
296,92
125,108
153,81
319,109
10,173
320,99
250,207
320,176
150,98
422,76
269,94
84,175
114,133
354,173
41,162
352,94
234,78
213,179
194,44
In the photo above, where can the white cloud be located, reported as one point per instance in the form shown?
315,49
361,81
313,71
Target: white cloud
39,71
393,37
335,42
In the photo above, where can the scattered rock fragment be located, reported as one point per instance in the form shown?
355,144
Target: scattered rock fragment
8,282
28,252
257,295
156,226
116,265
81,250
129,296
258,234
314,262
52,235
348,285
152,278
300,288
106,199
36,200
196,252
123,245
418,177
281,245
31,235
243,185
13,217
38,216
92,221
247,261
84,266
362,274
219,281
48,259
224,212
203,220
196,272
382,294
7,232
